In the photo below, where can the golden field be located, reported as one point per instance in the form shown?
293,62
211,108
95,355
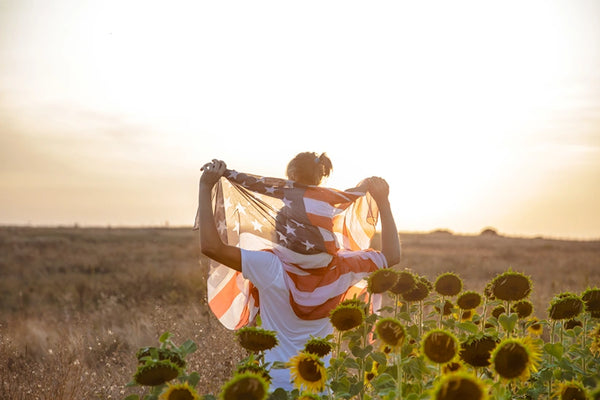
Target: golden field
76,303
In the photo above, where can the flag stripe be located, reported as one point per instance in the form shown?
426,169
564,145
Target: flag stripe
320,234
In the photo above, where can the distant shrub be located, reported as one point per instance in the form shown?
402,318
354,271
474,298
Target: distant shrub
489,232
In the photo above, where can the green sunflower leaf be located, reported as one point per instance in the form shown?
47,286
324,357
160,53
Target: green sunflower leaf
554,349
508,322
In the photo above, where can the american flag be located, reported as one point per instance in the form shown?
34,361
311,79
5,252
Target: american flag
322,235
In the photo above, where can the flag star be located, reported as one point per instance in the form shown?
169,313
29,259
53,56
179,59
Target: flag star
299,224
282,237
240,209
233,174
289,230
236,227
287,202
257,225
270,189
226,203
308,244
222,227
261,179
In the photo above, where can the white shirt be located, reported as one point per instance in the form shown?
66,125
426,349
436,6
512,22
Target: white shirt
265,271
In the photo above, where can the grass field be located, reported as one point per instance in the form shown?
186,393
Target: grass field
76,303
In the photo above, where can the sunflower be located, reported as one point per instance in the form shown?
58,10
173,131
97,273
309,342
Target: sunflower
448,284
381,280
256,339
245,386
179,391
460,385
254,368
369,375
309,396
523,308
391,332
160,354
452,366
346,317
591,298
511,286
570,391
319,346
419,292
448,307
156,372
308,372
534,327
572,323
516,358
498,311
595,345
466,315
405,282
565,306
439,346
477,351
468,300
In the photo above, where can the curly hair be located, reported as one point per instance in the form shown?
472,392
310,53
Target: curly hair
309,168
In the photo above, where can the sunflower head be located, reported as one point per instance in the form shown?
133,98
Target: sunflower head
419,292
448,284
381,280
318,346
498,311
346,317
452,366
156,372
391,332
253,367
565,306
572,323
466,315
477,351
308,372
439,346
459,385
511,286
516,358
448,307
522,308
256,339
179,391
247,386
591,299
534,327
405,282
468,300
160,354
309,396
570,390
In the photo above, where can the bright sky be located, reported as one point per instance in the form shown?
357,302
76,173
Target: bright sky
477,113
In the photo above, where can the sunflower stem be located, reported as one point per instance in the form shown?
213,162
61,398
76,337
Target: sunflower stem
483,314
583,341
552,331
420,318
443,303
399,372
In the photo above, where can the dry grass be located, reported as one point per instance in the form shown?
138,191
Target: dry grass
75,304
